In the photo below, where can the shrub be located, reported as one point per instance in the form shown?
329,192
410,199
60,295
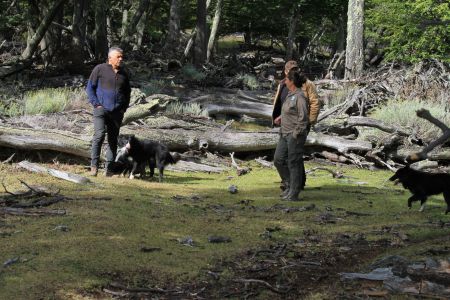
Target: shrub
191,73
249,81
402,113
48,100
154,86
11,108
179,108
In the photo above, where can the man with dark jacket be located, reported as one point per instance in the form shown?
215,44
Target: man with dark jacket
109,92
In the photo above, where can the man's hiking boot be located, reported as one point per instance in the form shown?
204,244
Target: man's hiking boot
94,171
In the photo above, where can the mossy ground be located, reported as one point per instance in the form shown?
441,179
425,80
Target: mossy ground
105,237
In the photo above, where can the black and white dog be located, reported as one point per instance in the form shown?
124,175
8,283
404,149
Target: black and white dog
144,152
423,184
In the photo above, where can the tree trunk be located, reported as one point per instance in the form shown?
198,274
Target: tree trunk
101,35
79,19
214,27
131,26
291,34
354,55
140,28
33,42
125,13
200,37
173,35
51,42
175,139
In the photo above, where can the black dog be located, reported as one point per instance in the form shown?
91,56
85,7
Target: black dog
124,164
151,152
422,185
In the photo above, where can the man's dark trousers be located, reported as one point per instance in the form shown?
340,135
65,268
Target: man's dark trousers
288,160
105,122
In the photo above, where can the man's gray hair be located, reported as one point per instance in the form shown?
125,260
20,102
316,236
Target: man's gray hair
114,49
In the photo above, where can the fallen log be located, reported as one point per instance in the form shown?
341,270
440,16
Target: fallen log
55,173
424,153
140,111
176,139
256,110
190,166
369,122
60,141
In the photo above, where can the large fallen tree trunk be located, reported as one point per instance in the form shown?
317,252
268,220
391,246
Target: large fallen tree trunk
256,110
175,139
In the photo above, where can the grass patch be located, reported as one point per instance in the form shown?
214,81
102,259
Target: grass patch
402,113
154,86
105,237
249,81
51,100
179,108
191,73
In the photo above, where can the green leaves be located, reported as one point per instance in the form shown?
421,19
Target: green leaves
410,30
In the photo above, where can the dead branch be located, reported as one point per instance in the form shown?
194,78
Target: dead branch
335,174
262,161
9,159
55,173
272,288
425,114
32,212
369,122
240,170
140,290
227,125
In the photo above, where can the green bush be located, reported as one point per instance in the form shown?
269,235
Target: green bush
191,73
47,100
10,108
403,114
154,86
179,108
249,81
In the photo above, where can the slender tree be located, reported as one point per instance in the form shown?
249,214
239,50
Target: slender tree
354,54
292,32
101,35
214,28
200,38
34,40
173,35
80,10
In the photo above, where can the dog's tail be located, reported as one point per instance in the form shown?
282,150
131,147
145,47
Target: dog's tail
173,157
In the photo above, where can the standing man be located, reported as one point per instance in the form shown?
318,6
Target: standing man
310,92
109,92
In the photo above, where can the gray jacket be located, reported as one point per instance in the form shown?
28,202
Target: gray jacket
295,114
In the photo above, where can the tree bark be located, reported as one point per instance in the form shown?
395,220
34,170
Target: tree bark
51,42
173,35
33,42
175,139
201,33
79,22
214,28
125,13
292,33
101,34
142,7
354,54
